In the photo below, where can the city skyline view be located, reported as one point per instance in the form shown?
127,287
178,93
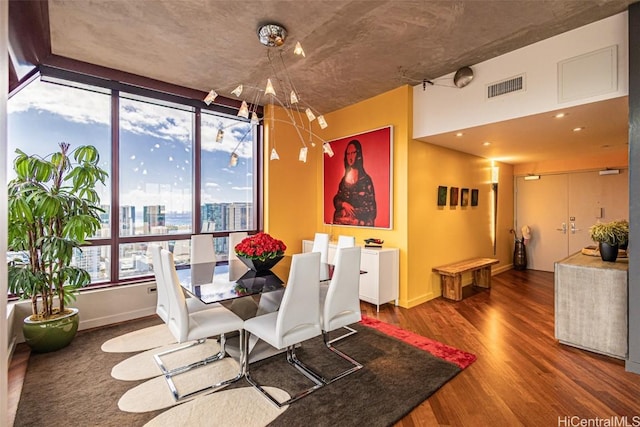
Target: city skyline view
156,144
155,169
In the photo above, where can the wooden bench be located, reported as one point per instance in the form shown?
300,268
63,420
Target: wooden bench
451,275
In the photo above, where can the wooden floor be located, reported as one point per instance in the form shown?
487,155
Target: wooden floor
522,375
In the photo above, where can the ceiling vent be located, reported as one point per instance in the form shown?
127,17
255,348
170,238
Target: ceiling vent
511,85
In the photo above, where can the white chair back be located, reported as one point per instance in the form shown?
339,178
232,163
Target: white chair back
346,242
234,239
299,314
202,249
178,315
342,304
321,244
162,305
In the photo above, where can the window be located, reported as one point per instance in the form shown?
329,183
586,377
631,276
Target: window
228,194
158,144
156,191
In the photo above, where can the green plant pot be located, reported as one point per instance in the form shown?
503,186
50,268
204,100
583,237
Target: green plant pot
51,335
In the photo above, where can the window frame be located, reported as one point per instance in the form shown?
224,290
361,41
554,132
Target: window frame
156,91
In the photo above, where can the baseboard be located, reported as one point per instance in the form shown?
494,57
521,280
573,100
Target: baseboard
501,269
419,300
115,318
632,366
12,339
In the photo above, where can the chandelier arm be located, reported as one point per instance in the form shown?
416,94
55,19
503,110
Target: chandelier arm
299,127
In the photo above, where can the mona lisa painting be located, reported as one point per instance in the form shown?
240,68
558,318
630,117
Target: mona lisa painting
358,180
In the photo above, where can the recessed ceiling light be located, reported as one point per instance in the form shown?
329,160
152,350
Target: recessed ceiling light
459,134
486,143
578,129
560,115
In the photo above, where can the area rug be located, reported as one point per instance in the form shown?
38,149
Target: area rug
74,386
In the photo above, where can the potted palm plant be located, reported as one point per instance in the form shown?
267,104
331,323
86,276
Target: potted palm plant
610,236
52,208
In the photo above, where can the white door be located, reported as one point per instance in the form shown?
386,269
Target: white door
559,209
542,205
592,198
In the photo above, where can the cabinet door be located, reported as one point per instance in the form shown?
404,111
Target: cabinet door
369,280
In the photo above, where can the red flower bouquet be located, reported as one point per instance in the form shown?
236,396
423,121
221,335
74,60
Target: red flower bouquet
260,246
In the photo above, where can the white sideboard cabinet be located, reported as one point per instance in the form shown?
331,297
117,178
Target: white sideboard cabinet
380,283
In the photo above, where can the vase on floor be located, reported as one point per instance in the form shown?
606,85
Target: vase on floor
519,256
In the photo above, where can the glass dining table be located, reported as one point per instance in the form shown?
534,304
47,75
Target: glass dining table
245,292
212,283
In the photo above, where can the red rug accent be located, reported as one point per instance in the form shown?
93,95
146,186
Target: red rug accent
438,349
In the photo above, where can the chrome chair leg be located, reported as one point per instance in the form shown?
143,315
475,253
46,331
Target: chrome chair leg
168,375
213,358
293,360
329,344
343,336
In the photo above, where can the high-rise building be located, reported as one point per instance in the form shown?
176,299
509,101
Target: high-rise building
152,216
127,220
88,258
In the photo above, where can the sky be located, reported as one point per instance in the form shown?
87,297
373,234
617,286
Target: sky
156,144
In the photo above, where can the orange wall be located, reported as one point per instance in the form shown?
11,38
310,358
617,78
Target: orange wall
613,160
426,235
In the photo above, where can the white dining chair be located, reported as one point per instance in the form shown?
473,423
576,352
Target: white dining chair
234,239
340,307
344,242
321,244
297,320
162,303
197,327
202,249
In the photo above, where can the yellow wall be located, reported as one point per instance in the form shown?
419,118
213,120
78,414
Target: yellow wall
391,108
442,235
290,186
425,234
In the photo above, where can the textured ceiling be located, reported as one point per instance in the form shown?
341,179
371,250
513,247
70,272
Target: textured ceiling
354,49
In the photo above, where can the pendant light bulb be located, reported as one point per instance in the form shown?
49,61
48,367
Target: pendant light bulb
298,50
220,135
274,154
294,98
233,160
244,110
303,155
310,114
237,91
254,118
211,96
326,147
322,122
269,90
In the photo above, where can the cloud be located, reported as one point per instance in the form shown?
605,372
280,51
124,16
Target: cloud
76,105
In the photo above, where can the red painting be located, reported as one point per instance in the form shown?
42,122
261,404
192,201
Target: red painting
357,180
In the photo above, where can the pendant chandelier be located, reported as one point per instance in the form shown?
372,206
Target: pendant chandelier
278,89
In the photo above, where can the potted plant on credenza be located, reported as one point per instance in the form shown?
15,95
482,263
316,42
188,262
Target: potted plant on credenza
52,208
610,236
